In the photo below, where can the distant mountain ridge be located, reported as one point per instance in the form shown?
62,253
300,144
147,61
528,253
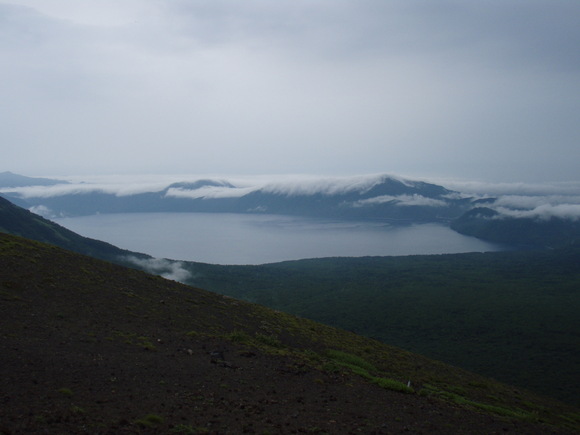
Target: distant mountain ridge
9,179
384,198
381,197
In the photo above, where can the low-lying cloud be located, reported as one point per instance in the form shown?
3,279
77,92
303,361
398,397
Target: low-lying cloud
543,212
209,192
530,200
538,207
402,201
329,185
83,188
570,188
43,211
225,188
169,269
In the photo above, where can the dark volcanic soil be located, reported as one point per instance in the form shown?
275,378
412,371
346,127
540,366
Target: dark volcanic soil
89,347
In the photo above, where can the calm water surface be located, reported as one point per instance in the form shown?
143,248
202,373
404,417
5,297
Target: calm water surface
223,238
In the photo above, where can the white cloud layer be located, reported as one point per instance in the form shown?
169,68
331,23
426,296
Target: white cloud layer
544,212
488,90
82,188
533,200
208,192
225,187
327,185
403,201
567,188
168,269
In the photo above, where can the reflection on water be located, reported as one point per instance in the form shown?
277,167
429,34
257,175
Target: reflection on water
224,238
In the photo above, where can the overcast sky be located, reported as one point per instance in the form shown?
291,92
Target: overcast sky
484,90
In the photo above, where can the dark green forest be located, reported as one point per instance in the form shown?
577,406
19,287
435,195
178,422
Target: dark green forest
512,316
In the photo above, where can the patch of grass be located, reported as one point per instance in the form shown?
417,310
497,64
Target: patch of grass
77,410
146,343
7,296
186,429
312,356
364,369
268,340
507,412
494,409
571,420
149,421
349,360
132,338
239,337
65,392
392,384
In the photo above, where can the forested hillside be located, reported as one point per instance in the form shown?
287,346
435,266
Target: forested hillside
509,315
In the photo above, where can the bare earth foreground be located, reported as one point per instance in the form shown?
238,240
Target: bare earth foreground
90,347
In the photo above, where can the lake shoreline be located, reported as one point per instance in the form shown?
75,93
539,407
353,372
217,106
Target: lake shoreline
232,238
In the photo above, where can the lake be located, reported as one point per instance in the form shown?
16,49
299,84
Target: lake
224,238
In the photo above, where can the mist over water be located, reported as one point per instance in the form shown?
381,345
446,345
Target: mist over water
223,238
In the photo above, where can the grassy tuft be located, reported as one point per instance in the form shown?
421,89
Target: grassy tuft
149,420
349,360
66,392
364,369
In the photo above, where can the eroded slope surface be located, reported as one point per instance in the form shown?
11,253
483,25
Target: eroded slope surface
90,347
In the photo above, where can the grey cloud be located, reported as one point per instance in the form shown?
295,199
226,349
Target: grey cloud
402,201
531,202
226,187
327,185
479,89
568,188
543,212
209,192
118,189
169,269
540,32
43,211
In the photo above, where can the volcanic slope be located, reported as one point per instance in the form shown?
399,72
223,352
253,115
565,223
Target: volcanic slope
87,346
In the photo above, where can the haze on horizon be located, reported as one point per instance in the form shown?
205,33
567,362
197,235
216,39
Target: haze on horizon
474,90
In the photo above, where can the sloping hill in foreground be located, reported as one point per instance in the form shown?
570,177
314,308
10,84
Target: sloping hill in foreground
91,347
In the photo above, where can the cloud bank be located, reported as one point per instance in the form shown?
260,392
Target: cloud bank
328,185
225,187
169,269
535,200
208,192
402,201
450,88
543,212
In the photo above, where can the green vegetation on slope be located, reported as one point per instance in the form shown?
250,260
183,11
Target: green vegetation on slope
509,315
